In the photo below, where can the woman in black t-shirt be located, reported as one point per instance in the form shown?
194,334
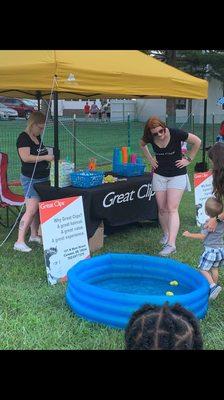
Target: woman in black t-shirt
170,178
35,168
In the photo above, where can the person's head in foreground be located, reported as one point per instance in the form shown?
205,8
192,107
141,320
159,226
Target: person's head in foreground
163,328
213,207
216,155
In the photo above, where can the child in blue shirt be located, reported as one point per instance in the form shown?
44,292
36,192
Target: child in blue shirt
213,256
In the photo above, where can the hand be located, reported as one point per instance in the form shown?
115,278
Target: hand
49,157
186,234
154,163
211,225
182,163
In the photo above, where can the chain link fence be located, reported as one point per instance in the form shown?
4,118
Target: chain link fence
81,140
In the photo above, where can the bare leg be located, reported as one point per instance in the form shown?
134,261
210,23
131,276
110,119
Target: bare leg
215,274
173,200
208,276
35,225
39,230
27,218
161,199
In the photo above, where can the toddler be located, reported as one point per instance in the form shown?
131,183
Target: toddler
213,256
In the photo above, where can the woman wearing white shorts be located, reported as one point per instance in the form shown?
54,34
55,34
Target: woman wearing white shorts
170,178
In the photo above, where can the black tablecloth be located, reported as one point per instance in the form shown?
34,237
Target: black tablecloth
119,203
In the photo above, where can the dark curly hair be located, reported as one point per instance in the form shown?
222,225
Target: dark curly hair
216,154
163,328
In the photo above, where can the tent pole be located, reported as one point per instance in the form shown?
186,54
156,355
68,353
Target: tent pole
38,97
56,149
204,134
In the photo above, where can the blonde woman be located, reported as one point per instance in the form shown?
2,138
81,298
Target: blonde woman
35,168
170,178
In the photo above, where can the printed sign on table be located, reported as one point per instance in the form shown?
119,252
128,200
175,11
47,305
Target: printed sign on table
202,190
64,236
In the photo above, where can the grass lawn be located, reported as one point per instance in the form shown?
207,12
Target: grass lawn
34,315
98,137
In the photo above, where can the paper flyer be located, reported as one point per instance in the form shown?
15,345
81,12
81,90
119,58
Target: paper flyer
202,190
64,236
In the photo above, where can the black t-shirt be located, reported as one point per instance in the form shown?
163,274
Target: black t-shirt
167,156
43,167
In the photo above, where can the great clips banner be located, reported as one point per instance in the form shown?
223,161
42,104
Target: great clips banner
202,190
64,236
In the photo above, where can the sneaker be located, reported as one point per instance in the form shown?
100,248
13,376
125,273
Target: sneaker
164,239
214,291
22,247
167,250
36,239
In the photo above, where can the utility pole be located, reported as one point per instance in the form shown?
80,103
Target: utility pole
171,59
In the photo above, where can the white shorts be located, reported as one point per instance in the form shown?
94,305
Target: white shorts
162,183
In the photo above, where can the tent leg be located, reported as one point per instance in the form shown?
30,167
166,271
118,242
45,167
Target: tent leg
204,136
56,149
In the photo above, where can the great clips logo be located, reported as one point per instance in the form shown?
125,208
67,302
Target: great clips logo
56,203
145,191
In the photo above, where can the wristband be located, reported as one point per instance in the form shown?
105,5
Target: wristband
188,158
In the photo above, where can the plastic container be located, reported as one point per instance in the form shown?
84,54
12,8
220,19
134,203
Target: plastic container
87,179
92,164
139,160
130,169
133,158
124,151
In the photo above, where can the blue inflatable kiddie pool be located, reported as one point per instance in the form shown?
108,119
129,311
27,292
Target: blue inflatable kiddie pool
107,289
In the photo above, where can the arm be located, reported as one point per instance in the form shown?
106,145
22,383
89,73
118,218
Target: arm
148,155
212,223
195,142
25,155
199,236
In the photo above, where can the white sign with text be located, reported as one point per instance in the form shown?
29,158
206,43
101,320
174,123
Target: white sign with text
64,236
202,191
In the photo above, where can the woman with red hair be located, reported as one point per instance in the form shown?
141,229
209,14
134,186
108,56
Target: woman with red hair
170,178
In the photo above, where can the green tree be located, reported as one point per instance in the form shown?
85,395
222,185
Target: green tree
205,64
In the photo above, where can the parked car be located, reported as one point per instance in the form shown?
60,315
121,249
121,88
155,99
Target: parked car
23,107
7,113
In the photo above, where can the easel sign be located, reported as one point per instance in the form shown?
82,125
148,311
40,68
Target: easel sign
203,189
64,236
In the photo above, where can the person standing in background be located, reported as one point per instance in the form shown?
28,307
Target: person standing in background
170,178
108,112
86,109
35,169
94,110
216,156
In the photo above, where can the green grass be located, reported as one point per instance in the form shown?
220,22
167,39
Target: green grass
34,315
101,138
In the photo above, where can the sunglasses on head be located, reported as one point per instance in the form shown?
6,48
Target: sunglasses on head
160,131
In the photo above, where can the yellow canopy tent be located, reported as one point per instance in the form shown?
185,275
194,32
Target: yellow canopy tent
100,73
93,73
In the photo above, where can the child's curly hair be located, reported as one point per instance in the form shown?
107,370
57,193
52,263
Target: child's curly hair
163,328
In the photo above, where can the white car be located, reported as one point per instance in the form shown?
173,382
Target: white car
7,113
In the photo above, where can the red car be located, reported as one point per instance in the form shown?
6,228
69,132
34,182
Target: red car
23,107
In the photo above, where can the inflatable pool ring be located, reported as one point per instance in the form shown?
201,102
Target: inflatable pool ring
108,288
